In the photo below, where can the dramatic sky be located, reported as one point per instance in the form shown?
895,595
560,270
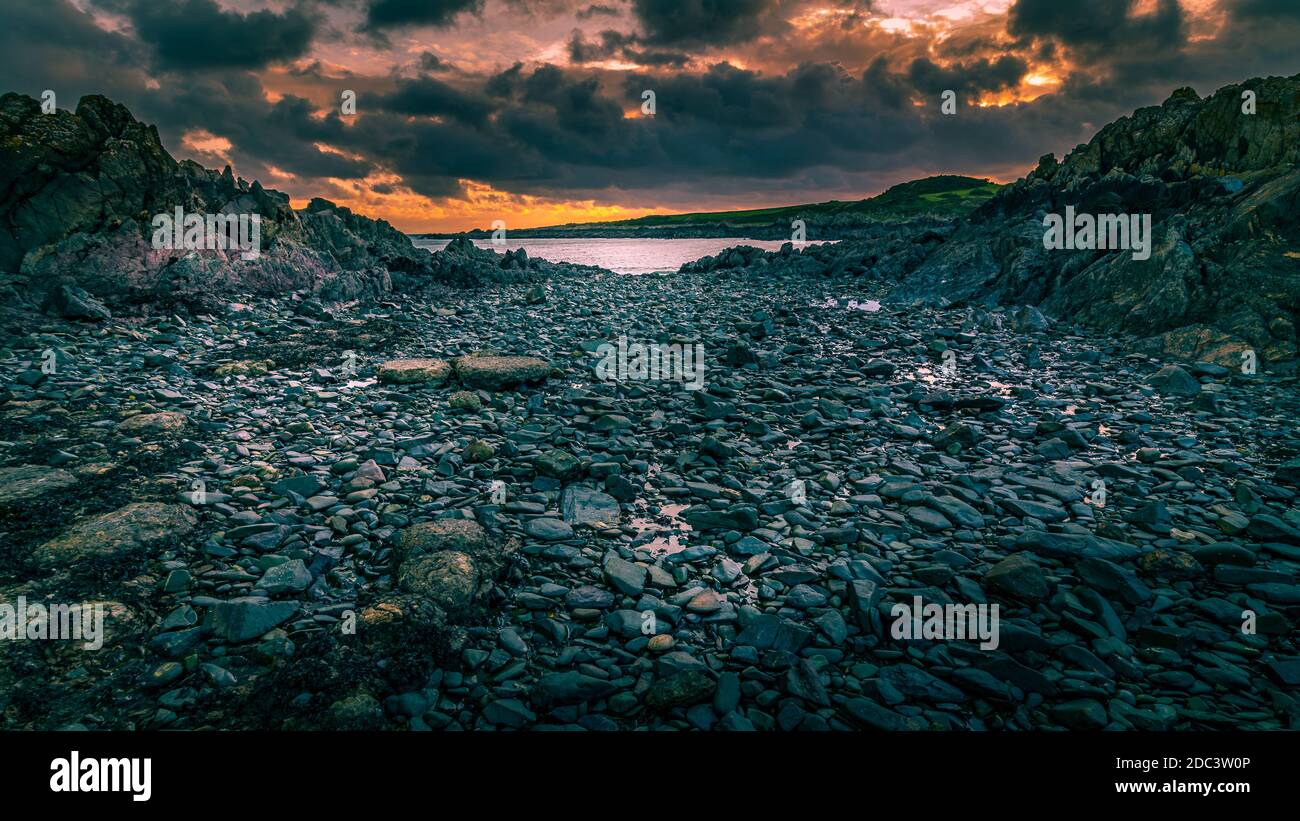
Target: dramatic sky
530,111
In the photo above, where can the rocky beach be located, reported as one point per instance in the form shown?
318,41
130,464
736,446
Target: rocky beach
429,513
345,483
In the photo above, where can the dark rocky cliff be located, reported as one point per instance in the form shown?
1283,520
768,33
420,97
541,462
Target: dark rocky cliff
1222,187
78,192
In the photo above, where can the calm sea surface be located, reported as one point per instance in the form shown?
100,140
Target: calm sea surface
624,256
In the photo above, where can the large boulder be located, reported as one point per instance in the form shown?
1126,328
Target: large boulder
464,535
412,371
239,620
462,262
134,532
449,563
500,373
584,506
157,424
1172,380
449,579
71,302
26,484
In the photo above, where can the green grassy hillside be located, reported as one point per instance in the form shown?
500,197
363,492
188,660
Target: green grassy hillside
945,197
942,196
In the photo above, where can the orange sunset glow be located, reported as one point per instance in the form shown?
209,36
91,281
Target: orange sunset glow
472,111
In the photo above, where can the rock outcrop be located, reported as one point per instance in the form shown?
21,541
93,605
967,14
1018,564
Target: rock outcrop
1221,186
79,192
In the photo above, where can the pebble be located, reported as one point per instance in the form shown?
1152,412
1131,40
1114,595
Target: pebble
621,555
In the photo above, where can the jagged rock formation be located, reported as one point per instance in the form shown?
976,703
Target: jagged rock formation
889,251
78,192
1222,187
463,263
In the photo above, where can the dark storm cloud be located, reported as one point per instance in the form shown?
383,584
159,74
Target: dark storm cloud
887,90
432,62
561,132
429,97
610,43
607,44
199,34
576,101
283,134
1132,61
432,157
505,82
973,77
959,48
726,94
391,14
657,58
1265,9
702,23
1085,22
1099,27
50,44
564,132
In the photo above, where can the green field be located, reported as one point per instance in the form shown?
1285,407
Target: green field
945,197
